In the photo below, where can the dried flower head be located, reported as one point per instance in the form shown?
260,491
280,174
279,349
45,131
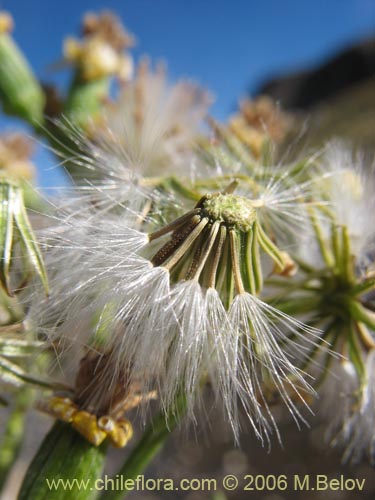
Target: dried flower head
152,126
146,134
259,121
6,22
95,406
107,27
180,301
15,153
103,48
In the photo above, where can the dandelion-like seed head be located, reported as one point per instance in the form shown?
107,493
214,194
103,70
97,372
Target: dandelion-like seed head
178,290
179,281
214,242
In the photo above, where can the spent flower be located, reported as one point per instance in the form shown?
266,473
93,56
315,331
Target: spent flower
179,299
334,291
258,121
15,153
103,48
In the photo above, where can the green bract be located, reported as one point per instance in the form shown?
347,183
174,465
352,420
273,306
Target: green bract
15,229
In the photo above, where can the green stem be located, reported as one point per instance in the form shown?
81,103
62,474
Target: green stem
337,248
63,455
347,260
85,99
303,266
84,102
296,306
150,444
182,188
13,434
12,309
365,336
355,353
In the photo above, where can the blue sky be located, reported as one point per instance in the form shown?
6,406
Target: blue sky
229,46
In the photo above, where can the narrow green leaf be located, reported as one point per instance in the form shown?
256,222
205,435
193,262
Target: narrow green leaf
6,232
29,240
16,348
10,373
13,374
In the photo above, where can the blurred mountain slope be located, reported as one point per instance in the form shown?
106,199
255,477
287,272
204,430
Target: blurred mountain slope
337,98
